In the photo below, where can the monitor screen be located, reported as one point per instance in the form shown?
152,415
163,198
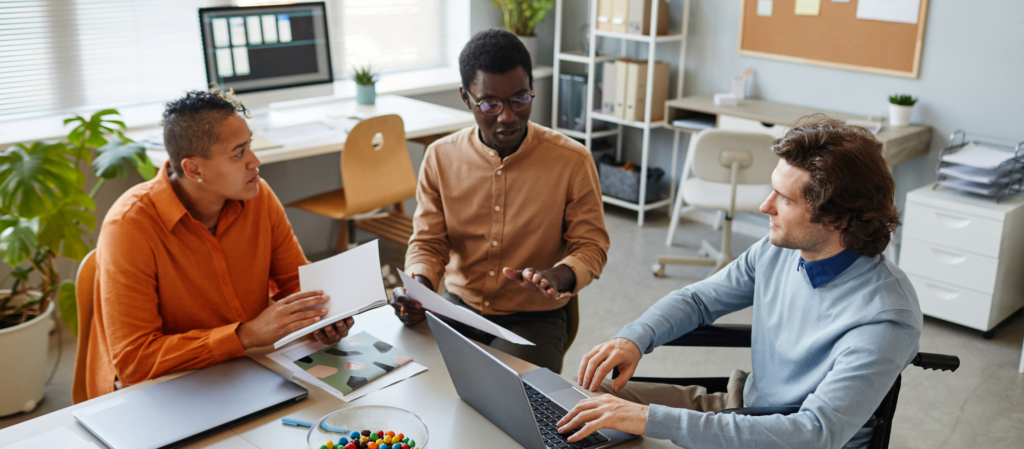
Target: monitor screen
251,49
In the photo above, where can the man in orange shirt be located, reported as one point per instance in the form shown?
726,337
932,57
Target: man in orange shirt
185,260
509,211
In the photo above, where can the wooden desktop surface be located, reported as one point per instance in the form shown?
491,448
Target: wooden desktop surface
452,423
899,144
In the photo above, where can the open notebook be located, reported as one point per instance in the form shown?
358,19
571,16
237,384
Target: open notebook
353,281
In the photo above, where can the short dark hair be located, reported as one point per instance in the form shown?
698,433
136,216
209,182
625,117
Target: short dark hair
851,189
190,123
493,51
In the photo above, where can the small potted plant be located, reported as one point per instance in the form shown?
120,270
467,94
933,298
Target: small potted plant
366,84
45,213
521,16
900,108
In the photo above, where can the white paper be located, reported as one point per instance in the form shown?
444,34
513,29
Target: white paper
764,8
973,174
434,303
287,357
61,437
352,279
973,155
901,11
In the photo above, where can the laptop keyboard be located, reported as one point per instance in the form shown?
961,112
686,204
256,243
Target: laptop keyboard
547,414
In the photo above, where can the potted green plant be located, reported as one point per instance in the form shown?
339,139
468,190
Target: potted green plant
901,106
45,213
366,84
521,16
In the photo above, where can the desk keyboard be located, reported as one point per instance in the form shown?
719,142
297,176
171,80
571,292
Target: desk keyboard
547,414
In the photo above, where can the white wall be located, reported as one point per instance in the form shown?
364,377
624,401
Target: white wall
971,65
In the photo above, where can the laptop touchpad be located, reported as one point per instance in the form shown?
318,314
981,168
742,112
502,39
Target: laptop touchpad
567,397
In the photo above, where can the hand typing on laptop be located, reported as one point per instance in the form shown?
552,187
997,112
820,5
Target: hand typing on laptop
606,411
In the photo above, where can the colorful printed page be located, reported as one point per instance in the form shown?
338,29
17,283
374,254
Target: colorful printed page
354,362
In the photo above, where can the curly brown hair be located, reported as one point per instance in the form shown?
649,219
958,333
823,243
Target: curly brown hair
851,189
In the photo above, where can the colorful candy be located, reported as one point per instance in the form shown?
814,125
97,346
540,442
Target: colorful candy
372,440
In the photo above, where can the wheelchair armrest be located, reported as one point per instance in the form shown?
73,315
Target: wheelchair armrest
719,336
936,361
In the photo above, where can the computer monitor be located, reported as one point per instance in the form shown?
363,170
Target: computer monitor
268,53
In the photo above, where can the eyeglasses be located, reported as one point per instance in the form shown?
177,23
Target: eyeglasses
493,106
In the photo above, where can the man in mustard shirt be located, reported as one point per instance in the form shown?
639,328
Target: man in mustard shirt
510,212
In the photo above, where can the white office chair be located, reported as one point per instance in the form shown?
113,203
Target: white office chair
732,172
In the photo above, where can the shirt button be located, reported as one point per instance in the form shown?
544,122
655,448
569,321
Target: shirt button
497,207
499,172
494,243
491,273
487,303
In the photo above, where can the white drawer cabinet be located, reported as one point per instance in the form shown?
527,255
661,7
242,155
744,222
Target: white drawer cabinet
964,255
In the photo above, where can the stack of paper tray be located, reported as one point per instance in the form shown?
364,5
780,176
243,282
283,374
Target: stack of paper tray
984,168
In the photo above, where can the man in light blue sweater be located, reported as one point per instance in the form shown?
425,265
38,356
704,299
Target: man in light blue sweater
834,321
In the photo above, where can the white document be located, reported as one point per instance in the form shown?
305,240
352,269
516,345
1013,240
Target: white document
973,155
764,8
287,357
61,437
434,303
352,279
973,174
901,11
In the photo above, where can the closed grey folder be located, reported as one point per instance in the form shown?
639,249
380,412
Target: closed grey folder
184,409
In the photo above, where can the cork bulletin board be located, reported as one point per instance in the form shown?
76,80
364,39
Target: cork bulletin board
833,38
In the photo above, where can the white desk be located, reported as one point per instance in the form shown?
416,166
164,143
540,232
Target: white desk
421,119
452,423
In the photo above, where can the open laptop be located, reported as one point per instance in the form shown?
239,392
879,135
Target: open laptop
190,407
526,406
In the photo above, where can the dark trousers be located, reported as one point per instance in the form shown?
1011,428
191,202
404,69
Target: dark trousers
549,331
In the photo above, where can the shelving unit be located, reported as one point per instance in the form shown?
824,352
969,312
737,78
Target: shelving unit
590,60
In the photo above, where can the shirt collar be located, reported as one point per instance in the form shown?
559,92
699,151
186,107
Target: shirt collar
523,146
166,201
821,271
169,206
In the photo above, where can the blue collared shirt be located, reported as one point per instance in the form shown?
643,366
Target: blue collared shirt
824,270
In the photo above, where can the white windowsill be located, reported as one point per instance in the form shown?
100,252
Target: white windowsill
418,82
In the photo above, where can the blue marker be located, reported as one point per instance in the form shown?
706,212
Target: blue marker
296,422
323,425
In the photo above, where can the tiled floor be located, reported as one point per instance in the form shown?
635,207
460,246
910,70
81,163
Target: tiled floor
980,405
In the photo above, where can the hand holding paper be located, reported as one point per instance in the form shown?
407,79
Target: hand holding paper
431,301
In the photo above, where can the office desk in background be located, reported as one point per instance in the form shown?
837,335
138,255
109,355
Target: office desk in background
899,144
452,423
423,123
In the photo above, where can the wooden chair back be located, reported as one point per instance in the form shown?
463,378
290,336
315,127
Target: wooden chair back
375,166
85,283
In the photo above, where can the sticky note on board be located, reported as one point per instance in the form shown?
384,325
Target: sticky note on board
808,7
764,8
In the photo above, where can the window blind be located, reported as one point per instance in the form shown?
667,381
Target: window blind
69,55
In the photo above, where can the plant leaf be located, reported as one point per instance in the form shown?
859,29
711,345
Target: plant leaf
62,231
18,240
33,179
113,158
68,305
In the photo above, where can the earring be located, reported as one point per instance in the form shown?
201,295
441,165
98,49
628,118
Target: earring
200,179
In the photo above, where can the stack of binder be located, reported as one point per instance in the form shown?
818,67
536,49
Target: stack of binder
572,98
984,168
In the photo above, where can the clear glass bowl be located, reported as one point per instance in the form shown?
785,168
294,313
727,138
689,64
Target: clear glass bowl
373,418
